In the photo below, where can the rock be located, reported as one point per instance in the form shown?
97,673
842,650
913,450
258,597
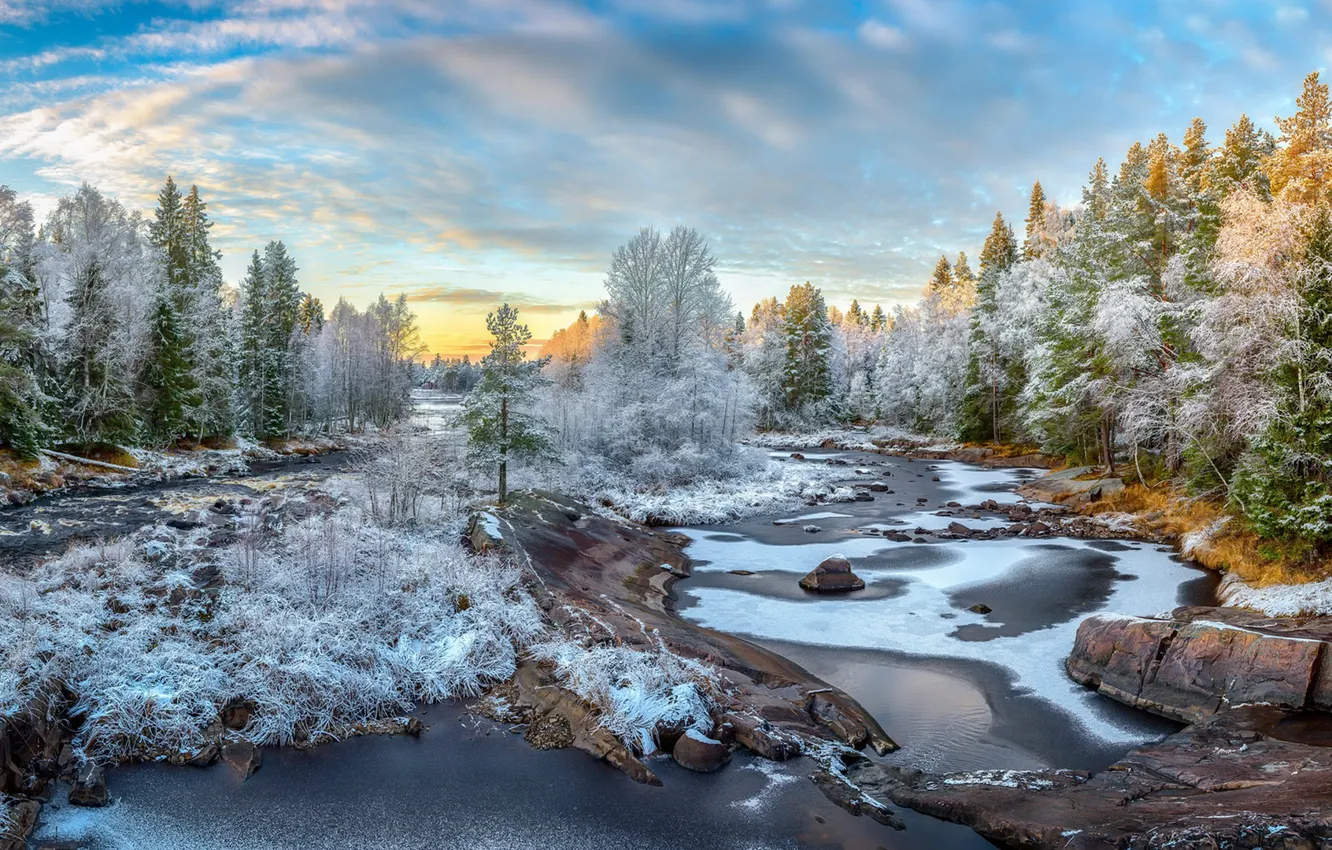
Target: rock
236,713
22,820
243,757
862,496
878,487
696,751
1203,660
797,456
934,478
980,608
812,529
483,532
1075,484
953,505
1236,780
761,737
959,529
206,756
89,788
1038,527
549,732
414,727
832,576
741,572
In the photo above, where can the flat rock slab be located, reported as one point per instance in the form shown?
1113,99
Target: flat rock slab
1234,780
1078,483
1203,660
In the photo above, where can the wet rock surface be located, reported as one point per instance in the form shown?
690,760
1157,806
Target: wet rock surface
1202,660
1237,779
622,574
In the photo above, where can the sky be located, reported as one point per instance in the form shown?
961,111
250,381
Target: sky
469,152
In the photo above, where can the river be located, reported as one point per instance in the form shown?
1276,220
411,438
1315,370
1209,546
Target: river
958,690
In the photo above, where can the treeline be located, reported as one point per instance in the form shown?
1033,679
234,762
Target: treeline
119,330
1177,321
450,375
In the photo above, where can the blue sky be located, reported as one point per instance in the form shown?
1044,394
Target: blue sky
476,151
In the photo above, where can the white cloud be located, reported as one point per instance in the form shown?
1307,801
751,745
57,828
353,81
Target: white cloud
882,36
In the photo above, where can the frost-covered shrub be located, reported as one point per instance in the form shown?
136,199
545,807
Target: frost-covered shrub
334,625
637,691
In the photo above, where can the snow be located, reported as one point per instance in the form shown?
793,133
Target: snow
809,517
1279,600
911,623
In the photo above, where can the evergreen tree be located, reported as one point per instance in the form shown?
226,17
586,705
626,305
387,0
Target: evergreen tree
257,404
211,351
1034,245
985,405
1301,168
962,274
857,316
808,380
283,344
22,401
942,279
1240,159
168,398
879,319
500,425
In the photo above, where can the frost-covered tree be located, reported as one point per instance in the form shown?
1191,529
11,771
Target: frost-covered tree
501,425
808,379
1300,169
1284,484
22,401
98,259
985,406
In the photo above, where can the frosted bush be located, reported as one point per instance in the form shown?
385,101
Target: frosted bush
636,691
336,625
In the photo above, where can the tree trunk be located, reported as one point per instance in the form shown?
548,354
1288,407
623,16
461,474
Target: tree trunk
1107,444
504,451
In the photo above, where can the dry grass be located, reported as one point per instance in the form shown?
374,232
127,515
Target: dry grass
1209,535
1007,449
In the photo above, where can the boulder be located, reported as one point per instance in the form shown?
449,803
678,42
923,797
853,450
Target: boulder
89,787
483,532
696,751
878,487
980,608
1203,660
243,757
959,529
832,576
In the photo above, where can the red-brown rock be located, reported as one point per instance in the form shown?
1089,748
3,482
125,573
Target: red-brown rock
832,576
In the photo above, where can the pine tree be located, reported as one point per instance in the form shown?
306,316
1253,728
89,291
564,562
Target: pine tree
879,319
22,401
1301,168
942,279
808,376
962,274
1240,160
1034,245
500,425
857,316
281,341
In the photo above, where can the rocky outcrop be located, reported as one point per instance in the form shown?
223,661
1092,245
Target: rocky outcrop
1203,660
832,576
1252,778
1075,484
622,574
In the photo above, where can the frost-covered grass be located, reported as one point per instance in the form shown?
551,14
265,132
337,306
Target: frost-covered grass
335,625
6,815
637,691
1279,600
768,485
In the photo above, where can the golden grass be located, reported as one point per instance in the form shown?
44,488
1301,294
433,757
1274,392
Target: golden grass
1228,548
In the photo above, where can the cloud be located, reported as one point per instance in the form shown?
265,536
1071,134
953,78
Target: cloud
486,299
518,142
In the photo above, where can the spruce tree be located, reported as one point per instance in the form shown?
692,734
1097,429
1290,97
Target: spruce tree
497,413
255,405
1239,161
168,398
941,281
211,353
879,319
985,404
808,383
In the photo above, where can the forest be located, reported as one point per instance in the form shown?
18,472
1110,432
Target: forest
1177,323
117,329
